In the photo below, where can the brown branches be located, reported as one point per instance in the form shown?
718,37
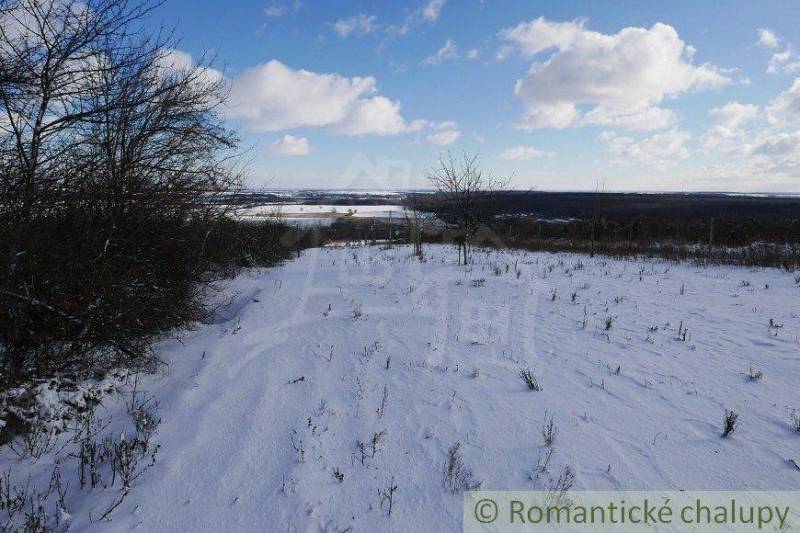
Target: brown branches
462,188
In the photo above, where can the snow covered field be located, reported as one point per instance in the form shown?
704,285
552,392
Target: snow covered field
334,377
303,214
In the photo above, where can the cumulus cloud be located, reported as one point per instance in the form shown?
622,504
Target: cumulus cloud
172,60
274,97
448,51
768,38
785,62
360,23
291,146
617,79
444,134
733,114
783,145
375,116
432,10
659,151
472,54
729,120
524,153
530,38
785,108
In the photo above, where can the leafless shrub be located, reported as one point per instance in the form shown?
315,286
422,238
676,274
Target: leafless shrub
461,189
530,379
386,496
112,174
456,475
297,446
730,423
795,422
754,375
557,491
370,449
549,433
385,399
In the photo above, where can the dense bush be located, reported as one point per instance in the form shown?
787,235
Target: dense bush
114,169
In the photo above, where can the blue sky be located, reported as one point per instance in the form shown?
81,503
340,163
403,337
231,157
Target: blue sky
561,95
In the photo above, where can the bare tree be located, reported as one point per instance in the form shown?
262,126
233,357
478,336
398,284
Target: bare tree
419,220
464,192
52,52
111,154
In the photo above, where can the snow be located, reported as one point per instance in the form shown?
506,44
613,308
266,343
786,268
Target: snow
263,408
303,214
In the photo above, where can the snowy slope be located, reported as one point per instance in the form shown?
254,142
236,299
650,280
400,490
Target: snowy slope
263,409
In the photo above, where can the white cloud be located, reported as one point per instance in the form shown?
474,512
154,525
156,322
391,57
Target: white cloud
729,120
767,38
785,108
448,51
291,146
785,62
785,146
445,133
172,60
360,23
620,77
659,151
472,54
432,10
375,116
524,153
538,35
733,114
647,118
560,115
274,97
279,10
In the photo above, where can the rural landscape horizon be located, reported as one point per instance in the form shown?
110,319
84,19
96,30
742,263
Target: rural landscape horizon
430,265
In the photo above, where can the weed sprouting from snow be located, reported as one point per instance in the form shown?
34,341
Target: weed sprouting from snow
795,421
730,423
549,433
456,475
480,282
574,296
609,322
530,379
368,450
682,332
385,399
297,446
543,463
557,492
338,475
386,496
358,312
754,375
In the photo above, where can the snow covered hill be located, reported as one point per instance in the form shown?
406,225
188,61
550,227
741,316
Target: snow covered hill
334,378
